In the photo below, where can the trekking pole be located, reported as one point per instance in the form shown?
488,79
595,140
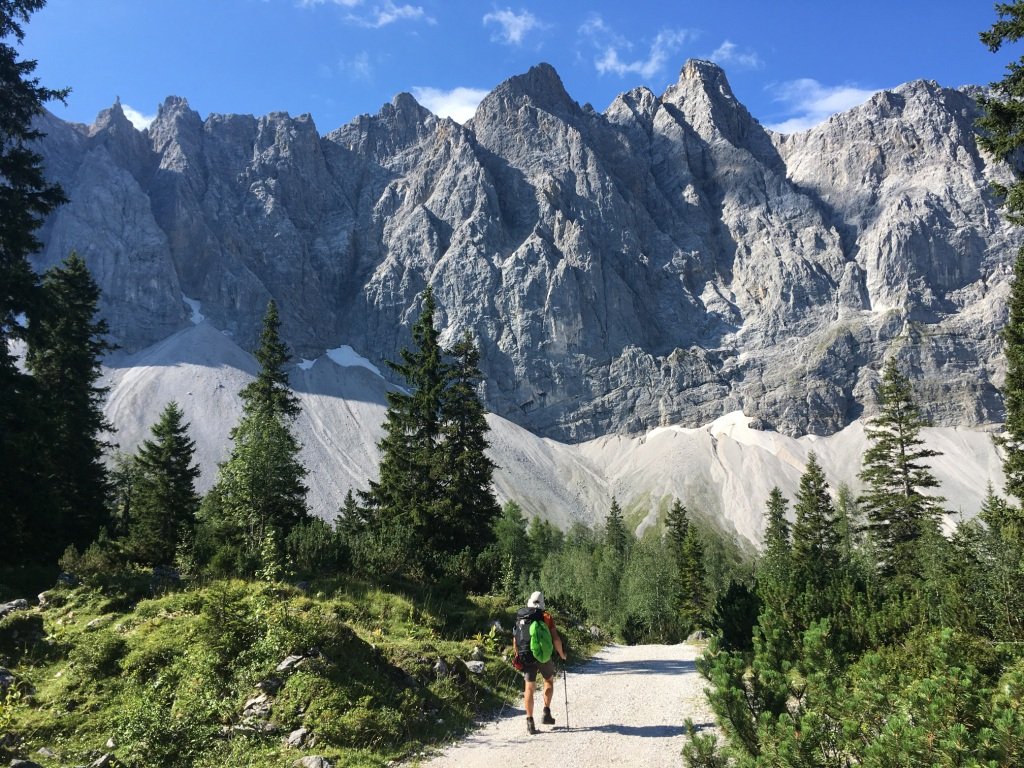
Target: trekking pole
565,689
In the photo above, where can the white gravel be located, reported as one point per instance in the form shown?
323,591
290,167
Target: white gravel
626,707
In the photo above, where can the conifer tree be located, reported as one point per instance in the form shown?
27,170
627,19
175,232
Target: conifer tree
815,545
687,551
1002,134
695,594
470,508
66,344
898,511
406,501
615,535
25,199
777,544
165,501
260,492
270,391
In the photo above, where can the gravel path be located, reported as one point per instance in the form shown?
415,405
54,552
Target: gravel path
626,707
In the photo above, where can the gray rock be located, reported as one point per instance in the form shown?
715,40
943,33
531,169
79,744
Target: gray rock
476,667
477,654
103,761
257,706
313,761
24,764
661,263
46,752
21,604
289,663
595,632
297,738
441,669
697,637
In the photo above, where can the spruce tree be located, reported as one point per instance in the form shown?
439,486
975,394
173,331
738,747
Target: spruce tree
1002,134
270,391
405,502
815,545
615,534
260,492
470,508
695,594
25,199
689,593
66,344
165,501
899,513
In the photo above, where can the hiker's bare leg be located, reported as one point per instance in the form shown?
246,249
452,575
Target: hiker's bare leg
528,697
549,691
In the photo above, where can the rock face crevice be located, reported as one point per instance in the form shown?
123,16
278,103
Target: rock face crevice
665,262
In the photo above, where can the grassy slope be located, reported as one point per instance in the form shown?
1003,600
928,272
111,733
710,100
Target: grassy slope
167,677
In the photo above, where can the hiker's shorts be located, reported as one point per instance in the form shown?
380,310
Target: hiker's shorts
547,670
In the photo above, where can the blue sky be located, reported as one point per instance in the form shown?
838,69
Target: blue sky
791,62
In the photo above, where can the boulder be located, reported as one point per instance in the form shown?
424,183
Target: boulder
21,604
297,738
289,663
313,761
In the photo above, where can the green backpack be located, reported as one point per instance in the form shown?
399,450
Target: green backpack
533,638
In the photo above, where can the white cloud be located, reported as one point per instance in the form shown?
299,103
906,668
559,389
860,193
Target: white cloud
358,67
729,53
514,26
810,103
459,103
388,13
667,43
136,118
376,15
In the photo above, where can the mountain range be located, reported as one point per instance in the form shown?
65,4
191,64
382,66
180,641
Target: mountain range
665,273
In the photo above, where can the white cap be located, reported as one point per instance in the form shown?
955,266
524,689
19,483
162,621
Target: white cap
536,600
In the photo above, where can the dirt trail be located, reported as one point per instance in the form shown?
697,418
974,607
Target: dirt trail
626,707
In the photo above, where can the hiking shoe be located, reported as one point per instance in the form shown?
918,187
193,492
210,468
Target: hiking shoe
530,727
547,719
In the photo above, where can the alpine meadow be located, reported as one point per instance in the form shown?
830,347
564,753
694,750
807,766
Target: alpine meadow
293,425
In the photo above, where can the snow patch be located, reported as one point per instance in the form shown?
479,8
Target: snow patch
347,357
194,305
305,364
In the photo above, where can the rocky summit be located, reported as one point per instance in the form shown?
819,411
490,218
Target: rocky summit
662,263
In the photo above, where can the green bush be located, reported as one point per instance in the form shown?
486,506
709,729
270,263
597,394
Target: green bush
20,633
96,655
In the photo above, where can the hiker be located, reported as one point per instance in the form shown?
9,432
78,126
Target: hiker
533,640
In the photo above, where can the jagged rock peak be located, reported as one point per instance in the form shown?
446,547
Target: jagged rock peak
112,118
172,105
709,73
540,86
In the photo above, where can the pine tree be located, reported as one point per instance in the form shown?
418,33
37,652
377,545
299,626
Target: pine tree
687,552
777,544
270,391
899,513
165,501
406,501
615,535
260,492
815,546
1011,440
25,199
695,595
66,344
470,508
